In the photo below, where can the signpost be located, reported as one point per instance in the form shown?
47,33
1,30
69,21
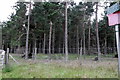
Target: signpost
113,14
114,8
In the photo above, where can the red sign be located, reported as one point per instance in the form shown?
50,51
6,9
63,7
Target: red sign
114,18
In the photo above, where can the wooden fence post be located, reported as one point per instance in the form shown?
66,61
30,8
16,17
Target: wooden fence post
7,56
2,57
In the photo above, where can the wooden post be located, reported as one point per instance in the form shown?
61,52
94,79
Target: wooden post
2,55
118,47
7,56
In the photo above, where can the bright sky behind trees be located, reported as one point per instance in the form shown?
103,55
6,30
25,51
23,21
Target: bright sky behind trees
6,8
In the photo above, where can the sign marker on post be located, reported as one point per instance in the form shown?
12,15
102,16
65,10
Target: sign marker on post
113,14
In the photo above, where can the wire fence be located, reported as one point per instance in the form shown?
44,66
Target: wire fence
108,50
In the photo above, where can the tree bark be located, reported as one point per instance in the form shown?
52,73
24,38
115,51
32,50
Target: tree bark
27,36
11,48
53,41
114,44
89,40
35,44
44,43
84,49
59,48
105,49
59,44
66,34
81,49
77,41
97,33
63,48
39,47
35,49
50,33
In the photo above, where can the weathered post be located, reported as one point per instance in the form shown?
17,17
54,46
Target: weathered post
2,55
7,57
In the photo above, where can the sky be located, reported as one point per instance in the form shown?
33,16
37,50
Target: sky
6,8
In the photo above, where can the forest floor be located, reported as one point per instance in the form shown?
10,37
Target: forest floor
42,67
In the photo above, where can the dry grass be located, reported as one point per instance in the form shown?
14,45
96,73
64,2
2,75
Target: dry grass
83,68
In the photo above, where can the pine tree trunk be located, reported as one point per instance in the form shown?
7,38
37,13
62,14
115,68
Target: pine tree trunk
114,44
18,49
63,48
77,41
89,40
35,44
44,43
11,49
59,44
53,41
66,34
3,44
50,34
39,47
27,36
70,46
97,33
84,49
59,49
35,50
105,49
81,48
